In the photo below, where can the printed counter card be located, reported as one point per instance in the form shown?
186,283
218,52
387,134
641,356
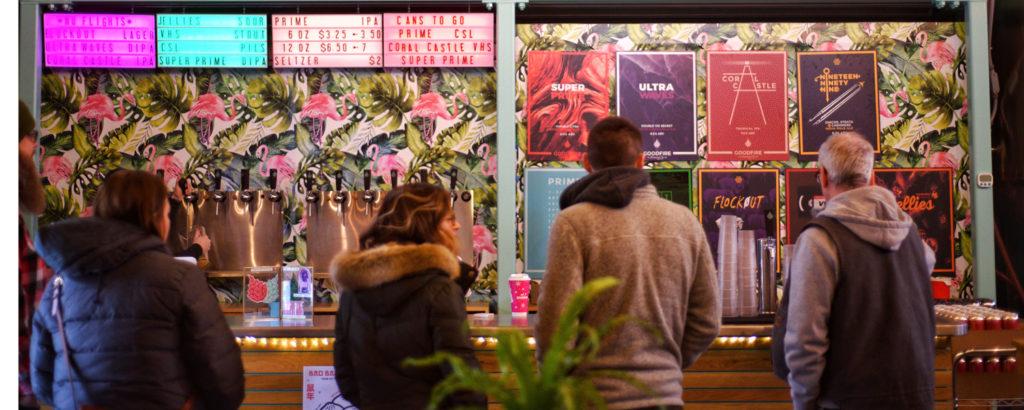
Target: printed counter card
747,106
543,187
567,93
747,193
927,195
655,90
838,92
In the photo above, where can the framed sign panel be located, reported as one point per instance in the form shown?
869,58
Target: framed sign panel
543,187
99,40
747,106
438,40
211,40
567,93
803,200
747,193
327,40
927,195
655,90
838,92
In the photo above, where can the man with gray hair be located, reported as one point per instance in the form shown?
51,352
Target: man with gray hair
860,331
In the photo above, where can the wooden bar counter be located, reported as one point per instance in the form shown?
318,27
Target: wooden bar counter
734,373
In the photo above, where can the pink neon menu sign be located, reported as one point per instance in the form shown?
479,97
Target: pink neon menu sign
99,40
438,40
327,40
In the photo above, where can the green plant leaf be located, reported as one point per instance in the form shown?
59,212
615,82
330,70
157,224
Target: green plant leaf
274,100
81,140
60,100
163,100
191,138
385,100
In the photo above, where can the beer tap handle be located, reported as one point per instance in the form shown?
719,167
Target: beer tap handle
394,178
337,180
454,177
245,180
368,195
217,174
160,173
423,175
272,179
309,181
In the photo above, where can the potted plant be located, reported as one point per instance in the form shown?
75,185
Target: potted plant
552,385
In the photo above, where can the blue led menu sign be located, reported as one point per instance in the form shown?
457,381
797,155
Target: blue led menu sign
211,40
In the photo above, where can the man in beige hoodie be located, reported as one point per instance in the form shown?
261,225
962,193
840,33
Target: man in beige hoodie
613,223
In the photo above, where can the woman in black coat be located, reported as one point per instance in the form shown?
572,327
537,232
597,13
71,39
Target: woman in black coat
143,329
402,297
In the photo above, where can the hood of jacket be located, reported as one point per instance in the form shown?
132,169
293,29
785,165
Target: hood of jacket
383,277
80,247
872,214
612,187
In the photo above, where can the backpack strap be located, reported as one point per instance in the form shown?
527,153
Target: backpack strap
58,285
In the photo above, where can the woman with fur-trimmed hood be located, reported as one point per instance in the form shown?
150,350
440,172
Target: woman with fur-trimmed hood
402,296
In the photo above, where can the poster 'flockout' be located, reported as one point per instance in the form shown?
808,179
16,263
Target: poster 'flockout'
747,193
747,106
655,90
803,200
838,93
567,94
926,194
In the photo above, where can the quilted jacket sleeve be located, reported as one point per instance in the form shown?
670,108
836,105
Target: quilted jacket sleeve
213,358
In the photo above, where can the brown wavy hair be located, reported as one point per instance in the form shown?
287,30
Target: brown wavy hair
135,197
411,214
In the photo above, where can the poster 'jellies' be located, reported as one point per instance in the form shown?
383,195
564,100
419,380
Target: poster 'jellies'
99,40
327,40
212,40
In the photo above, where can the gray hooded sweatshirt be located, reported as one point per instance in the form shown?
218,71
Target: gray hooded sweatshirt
614,224
873,215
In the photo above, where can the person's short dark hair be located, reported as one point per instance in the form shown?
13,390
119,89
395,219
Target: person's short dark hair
135,197
411,213
614,141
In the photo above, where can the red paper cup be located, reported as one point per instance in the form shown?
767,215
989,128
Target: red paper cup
520,285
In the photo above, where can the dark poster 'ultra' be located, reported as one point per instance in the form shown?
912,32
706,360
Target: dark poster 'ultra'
655,90
567,94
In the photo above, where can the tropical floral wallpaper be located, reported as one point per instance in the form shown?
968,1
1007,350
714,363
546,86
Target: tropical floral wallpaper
922,93
191,122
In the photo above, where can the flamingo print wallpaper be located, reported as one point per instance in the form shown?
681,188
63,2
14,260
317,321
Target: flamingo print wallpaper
922,98
191,122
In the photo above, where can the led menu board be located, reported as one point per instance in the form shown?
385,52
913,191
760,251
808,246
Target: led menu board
327,40
99,40
211,40
438,40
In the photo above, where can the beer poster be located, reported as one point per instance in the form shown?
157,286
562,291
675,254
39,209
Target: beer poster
747,193
747,106
672,184
927,195
543,188
803,200
567,93
838,92
655,90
